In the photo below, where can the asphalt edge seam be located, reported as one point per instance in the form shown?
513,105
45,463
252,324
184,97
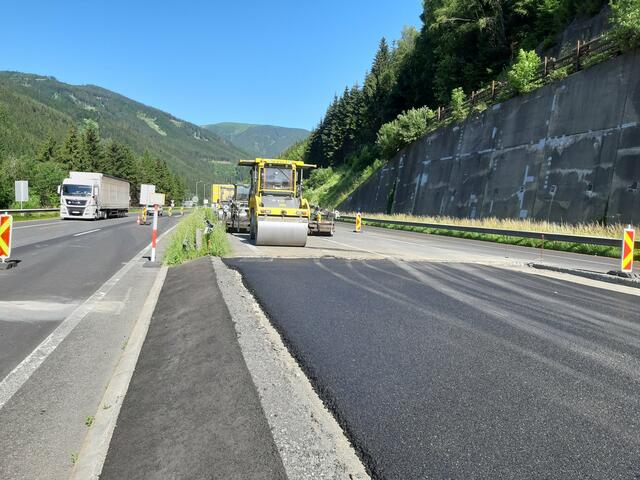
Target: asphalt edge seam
320,414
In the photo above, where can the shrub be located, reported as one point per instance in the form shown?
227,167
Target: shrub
408,127
523,74
625,21
459,110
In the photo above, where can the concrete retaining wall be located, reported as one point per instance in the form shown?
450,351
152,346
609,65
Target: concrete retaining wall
569,152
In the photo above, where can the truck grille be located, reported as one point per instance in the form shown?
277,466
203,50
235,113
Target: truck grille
75,211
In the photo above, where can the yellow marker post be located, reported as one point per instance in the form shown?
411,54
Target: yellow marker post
6,223
182,210
358,223
628,244
171,211
144,216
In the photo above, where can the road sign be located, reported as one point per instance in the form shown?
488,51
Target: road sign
627,249
146,194
22,190
6,222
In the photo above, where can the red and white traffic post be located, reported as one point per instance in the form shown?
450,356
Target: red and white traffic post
154,233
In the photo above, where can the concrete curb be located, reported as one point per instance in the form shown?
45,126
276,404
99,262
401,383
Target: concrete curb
96,444
602,277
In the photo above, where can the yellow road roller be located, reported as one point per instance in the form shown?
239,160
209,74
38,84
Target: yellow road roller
279,215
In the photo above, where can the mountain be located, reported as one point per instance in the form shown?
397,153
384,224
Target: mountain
258,140
33,107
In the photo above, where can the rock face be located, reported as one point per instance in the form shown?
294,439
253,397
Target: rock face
569,151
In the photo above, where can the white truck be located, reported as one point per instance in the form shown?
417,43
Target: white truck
93,196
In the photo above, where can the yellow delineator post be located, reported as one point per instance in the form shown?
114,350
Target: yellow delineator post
6,222
170,211
628,244
358,223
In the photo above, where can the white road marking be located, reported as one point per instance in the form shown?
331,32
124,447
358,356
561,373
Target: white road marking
21,373
40,225
88,231
358,248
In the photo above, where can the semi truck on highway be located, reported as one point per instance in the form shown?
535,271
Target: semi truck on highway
93,196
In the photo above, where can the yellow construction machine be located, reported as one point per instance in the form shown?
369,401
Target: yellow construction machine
279,215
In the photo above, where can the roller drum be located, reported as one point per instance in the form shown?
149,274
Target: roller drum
282,233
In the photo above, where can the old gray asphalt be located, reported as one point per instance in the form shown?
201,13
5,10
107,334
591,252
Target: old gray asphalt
59,270
463,371
192,410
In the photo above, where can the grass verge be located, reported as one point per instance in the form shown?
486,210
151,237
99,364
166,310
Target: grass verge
182,244
595,250
25,217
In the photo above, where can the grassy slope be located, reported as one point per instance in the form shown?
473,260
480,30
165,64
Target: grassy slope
258,140
32,106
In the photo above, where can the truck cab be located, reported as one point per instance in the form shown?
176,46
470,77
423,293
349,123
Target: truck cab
78,199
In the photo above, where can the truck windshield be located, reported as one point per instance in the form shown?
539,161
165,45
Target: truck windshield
242,193
277,178
76,190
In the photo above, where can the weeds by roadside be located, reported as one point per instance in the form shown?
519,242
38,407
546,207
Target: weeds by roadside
182,245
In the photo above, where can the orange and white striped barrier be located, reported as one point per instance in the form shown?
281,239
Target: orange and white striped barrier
628,243
6,222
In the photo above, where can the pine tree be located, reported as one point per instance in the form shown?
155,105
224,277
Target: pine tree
71,151
92,154
48,150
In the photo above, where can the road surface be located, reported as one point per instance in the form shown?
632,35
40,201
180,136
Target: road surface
446,358
61,264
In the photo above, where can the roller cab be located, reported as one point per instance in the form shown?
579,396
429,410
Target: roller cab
278,213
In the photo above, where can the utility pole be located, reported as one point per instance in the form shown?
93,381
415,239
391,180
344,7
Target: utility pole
199,181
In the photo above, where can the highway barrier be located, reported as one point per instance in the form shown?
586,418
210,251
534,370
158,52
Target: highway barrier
543,236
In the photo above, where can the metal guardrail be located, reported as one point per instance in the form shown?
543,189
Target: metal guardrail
550,237
28,210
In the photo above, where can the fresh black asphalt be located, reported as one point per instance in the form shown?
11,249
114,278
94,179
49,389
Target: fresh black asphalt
452,371
192,410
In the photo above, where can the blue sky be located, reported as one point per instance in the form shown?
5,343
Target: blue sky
277,62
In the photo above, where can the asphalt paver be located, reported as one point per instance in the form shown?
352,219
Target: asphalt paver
192,410
463,371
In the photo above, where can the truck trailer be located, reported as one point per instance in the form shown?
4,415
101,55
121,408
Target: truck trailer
93,196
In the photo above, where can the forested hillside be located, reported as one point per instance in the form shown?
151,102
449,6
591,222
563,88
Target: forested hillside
461,47
265,141
34,107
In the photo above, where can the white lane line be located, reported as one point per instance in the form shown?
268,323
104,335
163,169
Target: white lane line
358,248
88,231
39,225
23,371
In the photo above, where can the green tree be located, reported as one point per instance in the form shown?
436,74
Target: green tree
524,74
459,110
48,150
92,154
118,160
625,19
70,153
